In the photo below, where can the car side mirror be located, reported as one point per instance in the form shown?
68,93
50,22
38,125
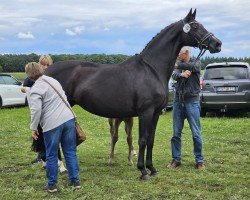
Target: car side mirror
18,83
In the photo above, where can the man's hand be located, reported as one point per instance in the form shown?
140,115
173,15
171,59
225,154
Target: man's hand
35,134
186,74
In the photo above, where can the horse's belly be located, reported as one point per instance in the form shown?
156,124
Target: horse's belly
111,113
109,108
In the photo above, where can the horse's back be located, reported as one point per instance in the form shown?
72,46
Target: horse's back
94,86
69,65
109,90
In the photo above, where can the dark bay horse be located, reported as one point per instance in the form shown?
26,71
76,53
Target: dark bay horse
136,87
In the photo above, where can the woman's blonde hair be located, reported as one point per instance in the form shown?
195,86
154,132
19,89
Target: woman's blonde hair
33,70
45,60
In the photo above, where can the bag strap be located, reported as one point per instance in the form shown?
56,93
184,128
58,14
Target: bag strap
66,103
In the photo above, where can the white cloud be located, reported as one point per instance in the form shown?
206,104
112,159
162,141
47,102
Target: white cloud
69,32
106,29
79,29
230,19
27,35
239,45
75,31
2,39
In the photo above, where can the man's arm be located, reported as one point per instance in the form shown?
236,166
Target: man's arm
191,66
177,74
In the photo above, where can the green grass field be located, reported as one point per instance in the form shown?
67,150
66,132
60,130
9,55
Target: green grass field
19,75
226,151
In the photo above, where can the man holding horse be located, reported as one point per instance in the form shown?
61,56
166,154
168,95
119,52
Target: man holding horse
186,106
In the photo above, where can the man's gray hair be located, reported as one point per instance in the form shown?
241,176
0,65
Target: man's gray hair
186,49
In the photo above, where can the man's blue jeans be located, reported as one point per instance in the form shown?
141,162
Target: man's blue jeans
191,112
65,134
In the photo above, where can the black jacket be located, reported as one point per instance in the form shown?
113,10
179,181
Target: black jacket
187,89
28,82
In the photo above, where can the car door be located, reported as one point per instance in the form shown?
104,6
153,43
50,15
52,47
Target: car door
12,93
3,92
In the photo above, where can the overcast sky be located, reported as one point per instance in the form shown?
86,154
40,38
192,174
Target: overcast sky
115,26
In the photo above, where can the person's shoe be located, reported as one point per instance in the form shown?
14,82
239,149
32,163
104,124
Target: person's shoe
76,184
173,164
36,161
61,167
43,165
50,188
200,165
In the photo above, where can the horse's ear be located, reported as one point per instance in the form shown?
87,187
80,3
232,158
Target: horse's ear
194,14
188,17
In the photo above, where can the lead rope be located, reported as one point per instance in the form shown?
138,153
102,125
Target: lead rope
200,54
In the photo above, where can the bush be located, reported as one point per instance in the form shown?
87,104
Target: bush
1,68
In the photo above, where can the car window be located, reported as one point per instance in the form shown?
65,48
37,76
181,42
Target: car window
9,80
1,80
226,72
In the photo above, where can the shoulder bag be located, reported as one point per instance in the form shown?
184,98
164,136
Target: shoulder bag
80,136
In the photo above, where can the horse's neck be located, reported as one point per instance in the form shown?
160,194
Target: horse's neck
163,50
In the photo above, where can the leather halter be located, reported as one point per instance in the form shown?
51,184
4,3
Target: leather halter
201,41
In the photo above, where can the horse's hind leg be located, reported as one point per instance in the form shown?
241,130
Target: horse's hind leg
114,125
128,129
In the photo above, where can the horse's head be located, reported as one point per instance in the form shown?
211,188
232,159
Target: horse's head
194,34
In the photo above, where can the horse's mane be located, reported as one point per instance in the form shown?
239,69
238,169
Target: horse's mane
158,35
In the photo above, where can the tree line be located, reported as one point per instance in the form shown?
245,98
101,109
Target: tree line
16,63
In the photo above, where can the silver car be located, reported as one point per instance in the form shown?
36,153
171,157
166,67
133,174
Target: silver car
171,88
225,86
10,91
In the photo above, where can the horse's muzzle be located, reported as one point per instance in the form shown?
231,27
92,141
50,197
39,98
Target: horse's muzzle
214,45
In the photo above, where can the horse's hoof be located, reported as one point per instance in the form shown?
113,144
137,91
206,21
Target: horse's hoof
111,163
154,173
145,177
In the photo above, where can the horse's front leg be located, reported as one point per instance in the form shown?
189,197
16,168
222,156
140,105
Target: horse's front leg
145,127
150,145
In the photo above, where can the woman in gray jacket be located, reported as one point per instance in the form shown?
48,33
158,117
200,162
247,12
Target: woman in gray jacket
57,122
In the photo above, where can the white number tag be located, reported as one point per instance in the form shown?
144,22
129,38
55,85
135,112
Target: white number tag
186,28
